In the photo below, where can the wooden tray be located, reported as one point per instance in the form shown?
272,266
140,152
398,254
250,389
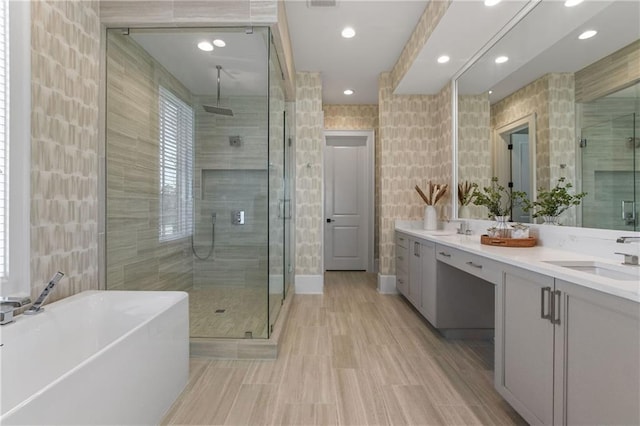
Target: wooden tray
508,242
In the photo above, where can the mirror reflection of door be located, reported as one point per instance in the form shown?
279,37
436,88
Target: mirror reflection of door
514,161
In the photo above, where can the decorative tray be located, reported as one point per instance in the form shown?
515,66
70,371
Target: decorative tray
508,242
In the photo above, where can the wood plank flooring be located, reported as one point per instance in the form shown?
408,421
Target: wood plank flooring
350,357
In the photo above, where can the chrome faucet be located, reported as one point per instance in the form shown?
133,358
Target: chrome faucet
626,239
36,308
8,305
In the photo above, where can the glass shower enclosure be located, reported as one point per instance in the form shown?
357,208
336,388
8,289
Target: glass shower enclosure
196,180
609,150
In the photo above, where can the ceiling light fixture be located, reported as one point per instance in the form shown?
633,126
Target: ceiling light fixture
206,46
501,59
443,59
490,91
348,92
571,3
587,34
490,3
348,32
219,43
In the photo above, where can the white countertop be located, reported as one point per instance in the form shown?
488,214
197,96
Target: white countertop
533,259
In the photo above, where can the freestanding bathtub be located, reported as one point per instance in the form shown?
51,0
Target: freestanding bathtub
98,357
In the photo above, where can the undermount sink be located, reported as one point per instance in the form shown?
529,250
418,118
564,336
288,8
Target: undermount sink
605,270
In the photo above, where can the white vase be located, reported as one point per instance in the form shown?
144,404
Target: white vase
502,227
430,218
463,212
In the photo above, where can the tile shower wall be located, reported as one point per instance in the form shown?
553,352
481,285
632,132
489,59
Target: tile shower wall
359,117
65,58
231,178
415,145
136,259
309,125
474,143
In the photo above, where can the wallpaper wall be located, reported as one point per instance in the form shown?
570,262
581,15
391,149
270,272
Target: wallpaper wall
309,126
415,147
474,143
359,117
65,76
551,98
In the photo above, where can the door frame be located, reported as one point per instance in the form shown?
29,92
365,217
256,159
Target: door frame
370,193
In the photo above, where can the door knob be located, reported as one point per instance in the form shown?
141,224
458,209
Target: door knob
329,220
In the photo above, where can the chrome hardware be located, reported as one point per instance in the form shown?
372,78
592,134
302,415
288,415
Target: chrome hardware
629,259
555,307
626,239
36,308
475,265
237,217
442,253
463,229
546,290
416,249
10,304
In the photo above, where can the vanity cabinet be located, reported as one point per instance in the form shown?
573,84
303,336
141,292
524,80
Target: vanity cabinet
566,354
402,263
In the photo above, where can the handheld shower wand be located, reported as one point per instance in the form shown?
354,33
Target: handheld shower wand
36,308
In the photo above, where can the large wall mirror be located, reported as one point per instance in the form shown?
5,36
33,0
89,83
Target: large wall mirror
547,101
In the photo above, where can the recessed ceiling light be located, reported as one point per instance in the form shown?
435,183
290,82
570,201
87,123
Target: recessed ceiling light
501,59
490,91
219,43
348,92
443,59
587,34
491,2
206,46
348,32
571,3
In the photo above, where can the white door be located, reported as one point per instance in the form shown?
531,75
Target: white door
348,200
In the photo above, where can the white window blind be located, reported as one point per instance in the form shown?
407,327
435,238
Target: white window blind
4,138
176,167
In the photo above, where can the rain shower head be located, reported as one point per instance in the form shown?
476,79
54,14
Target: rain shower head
218,109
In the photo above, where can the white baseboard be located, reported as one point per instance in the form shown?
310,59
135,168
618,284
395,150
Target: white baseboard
387,284
309,284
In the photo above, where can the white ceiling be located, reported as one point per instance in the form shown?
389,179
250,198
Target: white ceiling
383,28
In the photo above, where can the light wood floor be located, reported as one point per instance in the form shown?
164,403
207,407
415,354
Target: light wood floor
350,357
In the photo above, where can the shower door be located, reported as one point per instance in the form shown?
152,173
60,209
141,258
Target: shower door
610,174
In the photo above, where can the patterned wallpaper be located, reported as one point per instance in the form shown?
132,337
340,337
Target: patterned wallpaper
474,143
415,147
551,98
359,117
434,11
65,60
309,126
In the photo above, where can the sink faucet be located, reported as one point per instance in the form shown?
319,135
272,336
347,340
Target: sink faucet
626,239
10,304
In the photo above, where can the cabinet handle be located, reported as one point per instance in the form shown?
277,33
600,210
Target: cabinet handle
416,249
475,265
444,254
556,307
400,238
400,258
544,290
401,281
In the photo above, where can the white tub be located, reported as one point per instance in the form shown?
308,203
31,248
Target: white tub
98,357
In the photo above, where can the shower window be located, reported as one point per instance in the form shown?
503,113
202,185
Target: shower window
176,166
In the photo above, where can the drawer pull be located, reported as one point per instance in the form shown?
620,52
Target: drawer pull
401,259
556,299
475,265
543,291
444,254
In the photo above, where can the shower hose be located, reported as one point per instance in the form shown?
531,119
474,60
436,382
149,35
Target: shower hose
193,249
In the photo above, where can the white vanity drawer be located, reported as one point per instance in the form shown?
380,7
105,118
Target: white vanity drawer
402,240
479,266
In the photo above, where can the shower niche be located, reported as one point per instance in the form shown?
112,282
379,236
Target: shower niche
194,179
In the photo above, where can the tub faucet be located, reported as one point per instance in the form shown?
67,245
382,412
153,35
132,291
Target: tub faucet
626,239
10,304
36,308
